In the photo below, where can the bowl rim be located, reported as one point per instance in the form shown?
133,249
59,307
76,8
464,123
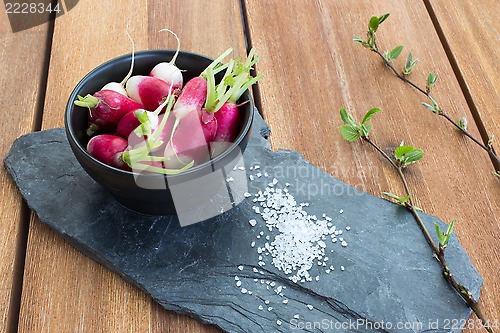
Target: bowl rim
137,55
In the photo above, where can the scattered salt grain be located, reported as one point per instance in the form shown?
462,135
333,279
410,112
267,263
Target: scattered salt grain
310,307
236,278
247,195
296,316
256,167
348,228
266,174
266,301
341,211
270,308
252,222
241,168
278,322
261,307
240,268
342,268
244,291
230,179
238,283
344,243
285,301
251,177
259,175
252,244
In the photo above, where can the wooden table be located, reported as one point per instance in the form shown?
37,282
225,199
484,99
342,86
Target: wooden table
312,68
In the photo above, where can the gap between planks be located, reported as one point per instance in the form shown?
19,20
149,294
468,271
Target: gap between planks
460,77
24,219
248,43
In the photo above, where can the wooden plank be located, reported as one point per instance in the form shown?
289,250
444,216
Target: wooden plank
313,67
471,34
22,59
63,290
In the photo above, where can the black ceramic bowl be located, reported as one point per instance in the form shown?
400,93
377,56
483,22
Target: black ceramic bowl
151,193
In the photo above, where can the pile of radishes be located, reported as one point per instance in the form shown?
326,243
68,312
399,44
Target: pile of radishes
156,124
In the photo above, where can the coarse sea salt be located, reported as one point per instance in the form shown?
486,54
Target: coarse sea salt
296,239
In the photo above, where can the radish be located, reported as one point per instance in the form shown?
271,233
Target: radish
188,140
221,99
152,135
187,143
194,93
106,108
128,124
108,149
149,91
168,71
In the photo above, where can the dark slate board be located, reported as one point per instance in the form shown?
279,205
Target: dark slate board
390,275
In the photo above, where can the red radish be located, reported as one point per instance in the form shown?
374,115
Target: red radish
106,107
108,149
127,124
187,143
168,71
149,91
151,135
194,93
221,99
228,122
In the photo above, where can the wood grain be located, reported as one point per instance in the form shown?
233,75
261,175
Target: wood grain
63,290
471,35
22,53
313,67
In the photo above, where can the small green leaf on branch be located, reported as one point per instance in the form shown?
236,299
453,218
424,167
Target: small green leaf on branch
444,237
396,52
410,63
370,114
434,107
407,155
373,24
383,18
347,117
431,80
400,201
350,133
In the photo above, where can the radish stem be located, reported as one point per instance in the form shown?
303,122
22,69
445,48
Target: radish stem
174,58
129,74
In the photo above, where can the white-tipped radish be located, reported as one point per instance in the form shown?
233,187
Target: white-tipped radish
168,71
149,91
